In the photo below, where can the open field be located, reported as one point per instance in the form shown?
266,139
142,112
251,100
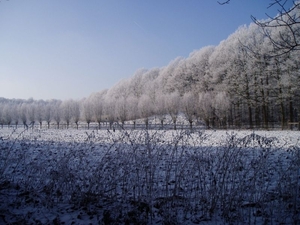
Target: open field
149,177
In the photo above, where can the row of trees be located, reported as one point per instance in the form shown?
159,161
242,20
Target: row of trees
102,108
251,79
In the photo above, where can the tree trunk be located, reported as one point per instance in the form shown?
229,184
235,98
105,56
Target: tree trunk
147,123
162,124
174,121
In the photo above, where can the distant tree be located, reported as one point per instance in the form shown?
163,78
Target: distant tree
160,108
57,113
1,114
151,84
121,109
189,105
48,113
23,114
109,110
98,106
76,112
173,106
136,83
167,76
16,115
222,105
133,112
40,112
88,111
7,114
31,112
145,109
206,109
121,90
67,108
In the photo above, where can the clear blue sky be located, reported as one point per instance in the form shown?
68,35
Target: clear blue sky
70,48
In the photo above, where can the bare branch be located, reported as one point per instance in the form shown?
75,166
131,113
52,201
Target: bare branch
288,38
223,3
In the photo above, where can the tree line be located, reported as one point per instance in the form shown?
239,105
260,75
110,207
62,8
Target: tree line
250,80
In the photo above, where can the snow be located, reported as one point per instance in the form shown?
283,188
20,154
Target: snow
149,177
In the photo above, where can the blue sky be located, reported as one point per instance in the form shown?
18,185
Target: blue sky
61,49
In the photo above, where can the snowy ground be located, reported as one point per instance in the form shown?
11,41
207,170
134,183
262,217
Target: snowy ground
149,177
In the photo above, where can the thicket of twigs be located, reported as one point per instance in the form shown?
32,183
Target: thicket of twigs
148,177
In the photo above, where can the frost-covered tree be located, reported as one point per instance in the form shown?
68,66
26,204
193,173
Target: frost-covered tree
98,106
222,105
121,109
109,110
199,67
7,114
133,112
76,112
136,83
88,111
145,108
151,84
189,106
283,30
31,113
166,76
48,113
160,107
40,112
67,108
206,109
1,114
173,106
23,114
57,112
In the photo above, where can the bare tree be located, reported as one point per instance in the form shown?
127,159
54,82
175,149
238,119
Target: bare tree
282,30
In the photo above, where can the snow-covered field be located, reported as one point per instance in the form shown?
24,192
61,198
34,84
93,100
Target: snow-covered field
149,177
